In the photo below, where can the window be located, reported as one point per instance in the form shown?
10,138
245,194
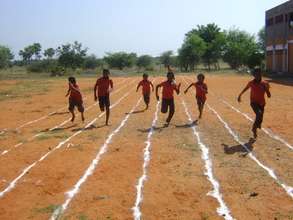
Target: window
270,22
279,19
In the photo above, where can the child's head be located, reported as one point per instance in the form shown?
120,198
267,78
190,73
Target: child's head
106,72
145,76
257,74
170,76
200,77
72,80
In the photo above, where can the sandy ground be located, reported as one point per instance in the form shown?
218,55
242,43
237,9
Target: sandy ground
177,185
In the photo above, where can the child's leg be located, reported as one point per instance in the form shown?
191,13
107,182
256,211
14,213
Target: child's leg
102,103
107,104
146,98
164,106
171,110
256,124
71,109
81,110
200,104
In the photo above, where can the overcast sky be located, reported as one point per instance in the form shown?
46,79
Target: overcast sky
141,26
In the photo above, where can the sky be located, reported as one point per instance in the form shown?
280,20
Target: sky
141,26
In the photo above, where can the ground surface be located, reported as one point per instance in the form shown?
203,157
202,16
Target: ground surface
101,166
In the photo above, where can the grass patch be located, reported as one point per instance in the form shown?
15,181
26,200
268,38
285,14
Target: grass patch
52,134
25,89
47,210
82,217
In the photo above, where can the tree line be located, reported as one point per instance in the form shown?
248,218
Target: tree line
205,44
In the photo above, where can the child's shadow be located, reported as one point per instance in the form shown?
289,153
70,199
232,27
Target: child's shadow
159,129
189,125
134,112
59,113
239,148
91,127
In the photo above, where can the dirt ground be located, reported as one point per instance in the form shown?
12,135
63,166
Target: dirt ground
43,156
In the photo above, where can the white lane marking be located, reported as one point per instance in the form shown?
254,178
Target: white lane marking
52,113
270,171
269,133
89,171
13,182
58,126
223,210
143,178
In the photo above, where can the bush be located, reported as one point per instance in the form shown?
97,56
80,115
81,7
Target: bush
43,66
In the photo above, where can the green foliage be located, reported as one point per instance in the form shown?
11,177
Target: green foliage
120,60
5,57
241,49
42,66
214,40
262,39
71,55
49,53
166,58
144,61
30,52
191,52
91,62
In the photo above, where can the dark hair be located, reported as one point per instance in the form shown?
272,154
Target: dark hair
256,71
72,79
200,75
106,71
171,74
145,75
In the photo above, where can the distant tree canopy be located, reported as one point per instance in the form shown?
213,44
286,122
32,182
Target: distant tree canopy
49,53
144,61
120,60
6,57
92,62
71,55
30,52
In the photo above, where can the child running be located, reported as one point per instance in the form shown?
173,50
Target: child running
146,89
167,96
258,89
201,91
103,87
75,98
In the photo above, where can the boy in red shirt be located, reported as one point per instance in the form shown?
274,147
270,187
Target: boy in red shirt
146,89
75,98
103,87
201,91
167,95
258,89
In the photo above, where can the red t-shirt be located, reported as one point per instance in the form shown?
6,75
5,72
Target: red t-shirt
257,91
168,89
103,86
201,90
146,86
75,93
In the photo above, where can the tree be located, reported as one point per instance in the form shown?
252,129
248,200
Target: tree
49,53
144,61
241,49
166,58
5,56
91,62
32,50
71,55
214,39
191,52
37,48
120,60
262,39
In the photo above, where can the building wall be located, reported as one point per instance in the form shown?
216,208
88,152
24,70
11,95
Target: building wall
279,36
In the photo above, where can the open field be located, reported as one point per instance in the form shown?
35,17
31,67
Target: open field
135,168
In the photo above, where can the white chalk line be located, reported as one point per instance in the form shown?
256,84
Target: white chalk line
57,126
89,171
12,184
223,210
49,114
265,130
270,171
147,157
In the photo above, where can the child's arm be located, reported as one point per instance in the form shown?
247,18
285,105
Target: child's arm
157,89
95,91
68,92
267,89
138,85
243,91
177,88
186,90
152,86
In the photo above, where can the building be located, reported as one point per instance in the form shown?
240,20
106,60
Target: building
279,38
